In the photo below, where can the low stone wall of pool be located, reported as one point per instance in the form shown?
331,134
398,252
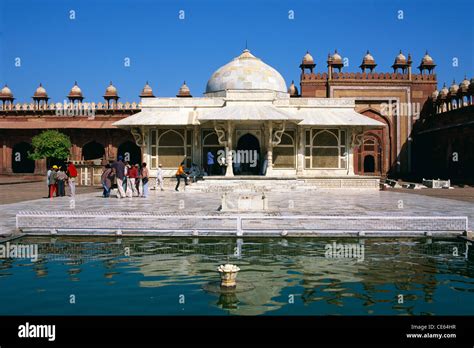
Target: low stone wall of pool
231,224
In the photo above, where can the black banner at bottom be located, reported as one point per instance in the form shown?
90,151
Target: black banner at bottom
138,331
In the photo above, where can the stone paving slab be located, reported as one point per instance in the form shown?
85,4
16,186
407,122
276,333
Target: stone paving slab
355,203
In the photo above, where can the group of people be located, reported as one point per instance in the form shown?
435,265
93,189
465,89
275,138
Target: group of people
57,178
132,180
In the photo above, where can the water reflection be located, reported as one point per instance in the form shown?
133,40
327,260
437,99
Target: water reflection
290,276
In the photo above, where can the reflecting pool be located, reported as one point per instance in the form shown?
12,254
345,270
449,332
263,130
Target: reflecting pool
294,276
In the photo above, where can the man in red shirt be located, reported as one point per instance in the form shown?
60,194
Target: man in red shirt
133,175
72,174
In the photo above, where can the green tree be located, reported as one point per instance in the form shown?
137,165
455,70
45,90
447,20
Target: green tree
50,144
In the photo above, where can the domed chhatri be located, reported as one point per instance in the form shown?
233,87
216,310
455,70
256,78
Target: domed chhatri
184,91
336,57
40,93
75,93
246,72
6,93
111,95
401,62
335,60
400,59
307,58
111,91
427,63
368,62
307,63
6,97
453,89
293,90
435,94
464,85
147,91
444,92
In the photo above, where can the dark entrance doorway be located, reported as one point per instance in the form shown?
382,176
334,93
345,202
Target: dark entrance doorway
247,156
369,164
20,161
130,152
92,150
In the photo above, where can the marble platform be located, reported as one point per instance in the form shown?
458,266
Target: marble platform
292,212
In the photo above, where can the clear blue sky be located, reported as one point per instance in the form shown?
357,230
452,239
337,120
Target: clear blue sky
165,50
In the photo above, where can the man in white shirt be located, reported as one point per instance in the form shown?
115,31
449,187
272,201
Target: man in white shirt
159,178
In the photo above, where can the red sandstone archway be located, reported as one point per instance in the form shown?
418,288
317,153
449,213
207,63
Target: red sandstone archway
370,155
376,143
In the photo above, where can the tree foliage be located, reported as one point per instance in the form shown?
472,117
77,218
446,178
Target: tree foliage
50,144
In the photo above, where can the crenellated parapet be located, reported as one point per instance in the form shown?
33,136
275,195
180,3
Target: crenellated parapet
367,76
67,107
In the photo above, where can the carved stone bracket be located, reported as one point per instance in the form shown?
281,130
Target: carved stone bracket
138,135
221,133
279,130
357,137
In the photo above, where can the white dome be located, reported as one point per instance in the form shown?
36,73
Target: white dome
246,72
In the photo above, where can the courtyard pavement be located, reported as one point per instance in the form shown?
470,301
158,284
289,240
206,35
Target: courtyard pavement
339,202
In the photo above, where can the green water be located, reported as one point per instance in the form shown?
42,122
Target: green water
157,276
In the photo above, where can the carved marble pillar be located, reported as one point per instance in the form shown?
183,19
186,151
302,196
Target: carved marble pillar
357,138
269,130
224,136
300,151
197,146
276,132
229,170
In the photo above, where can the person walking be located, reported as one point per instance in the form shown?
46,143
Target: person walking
72,175
106,180
119,169
138,180
52,181
145,178
133,177
180,174
210,162
128,186
159,178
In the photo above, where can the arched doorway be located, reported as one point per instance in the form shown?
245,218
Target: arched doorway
370,155
247,156
92,150
20,161
130,152
210,144
369,164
